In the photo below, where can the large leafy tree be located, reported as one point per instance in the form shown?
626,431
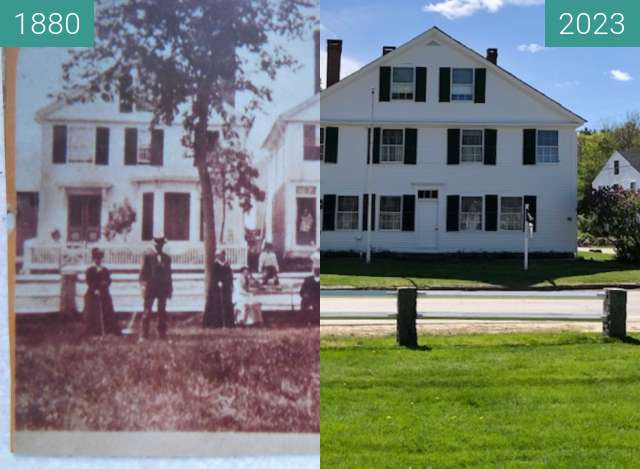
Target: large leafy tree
188,60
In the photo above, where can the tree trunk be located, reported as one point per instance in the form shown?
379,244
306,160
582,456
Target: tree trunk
224,217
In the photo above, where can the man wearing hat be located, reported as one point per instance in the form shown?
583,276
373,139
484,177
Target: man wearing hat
155,280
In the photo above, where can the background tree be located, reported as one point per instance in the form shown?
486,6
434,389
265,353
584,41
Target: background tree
616,213
121,219
188,59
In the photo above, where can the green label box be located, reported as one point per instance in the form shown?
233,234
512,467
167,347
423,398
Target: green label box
46,23
592,23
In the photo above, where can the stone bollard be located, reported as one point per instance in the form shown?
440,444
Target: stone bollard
614,322
406,334
68,293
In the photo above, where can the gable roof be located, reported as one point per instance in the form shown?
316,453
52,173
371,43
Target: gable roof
291,115
633,157
437,34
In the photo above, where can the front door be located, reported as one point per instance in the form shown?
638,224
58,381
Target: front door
427,211
83,221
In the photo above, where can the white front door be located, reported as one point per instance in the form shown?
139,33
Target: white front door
427,211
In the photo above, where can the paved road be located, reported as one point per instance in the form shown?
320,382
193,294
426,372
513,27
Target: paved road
524,305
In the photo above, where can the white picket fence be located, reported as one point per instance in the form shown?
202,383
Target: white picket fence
54,257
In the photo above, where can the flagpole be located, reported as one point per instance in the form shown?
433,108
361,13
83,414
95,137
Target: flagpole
369,194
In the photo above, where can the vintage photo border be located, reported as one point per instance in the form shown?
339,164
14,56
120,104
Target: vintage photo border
158,444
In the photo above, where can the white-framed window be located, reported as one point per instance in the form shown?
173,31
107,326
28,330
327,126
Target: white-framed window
390,216
427,194
81,144
462,84
511,213
392,146
547,146
470,213
144,146
402,83
616,167
321,143
471,146
632,186
347,212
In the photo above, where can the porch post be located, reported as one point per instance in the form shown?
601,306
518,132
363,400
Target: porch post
158,211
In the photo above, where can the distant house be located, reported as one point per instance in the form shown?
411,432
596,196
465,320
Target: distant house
437,148
95,155
622,169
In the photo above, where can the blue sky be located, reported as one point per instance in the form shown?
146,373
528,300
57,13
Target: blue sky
600,84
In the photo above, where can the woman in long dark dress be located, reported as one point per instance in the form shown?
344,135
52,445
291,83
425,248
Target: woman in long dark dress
98,305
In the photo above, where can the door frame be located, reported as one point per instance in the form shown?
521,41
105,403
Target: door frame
420,202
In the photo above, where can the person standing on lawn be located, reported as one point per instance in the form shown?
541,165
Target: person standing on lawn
98,304
156,284
221,314
310,297
268,265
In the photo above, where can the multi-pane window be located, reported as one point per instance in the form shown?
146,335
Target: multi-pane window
144,146
347,213
462,84
427,194
390,213
402,83
471,150
511,213
311,146
392,148
81,144
547,146
321,143
616,167
471,213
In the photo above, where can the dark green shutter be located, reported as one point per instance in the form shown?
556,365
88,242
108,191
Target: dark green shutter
408,212
453,146
59,144
445,85
157,147
410,146
421,84
331,145
147,216
376,145
102,145
480,85
365,212
329,212
532,201
130,146
491,212
529,146
385,83
453,212
490,146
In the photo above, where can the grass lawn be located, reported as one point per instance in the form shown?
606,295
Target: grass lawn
263,379
588,269
511,400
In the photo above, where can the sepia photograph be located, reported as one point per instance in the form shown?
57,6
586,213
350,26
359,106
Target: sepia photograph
167,265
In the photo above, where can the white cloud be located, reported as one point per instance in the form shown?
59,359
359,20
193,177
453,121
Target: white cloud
348,65
453,9
619,75
533,48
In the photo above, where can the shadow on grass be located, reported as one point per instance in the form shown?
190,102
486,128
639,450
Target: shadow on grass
506,273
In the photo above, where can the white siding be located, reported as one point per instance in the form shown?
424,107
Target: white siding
607,177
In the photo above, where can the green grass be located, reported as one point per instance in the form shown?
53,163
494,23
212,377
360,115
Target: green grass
514,400
588,269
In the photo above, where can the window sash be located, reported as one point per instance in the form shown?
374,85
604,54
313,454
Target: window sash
471,213
321,143
402,86
347,213
392,147
511,213
390,216
144,146
472,148
81,142
462,84
547,147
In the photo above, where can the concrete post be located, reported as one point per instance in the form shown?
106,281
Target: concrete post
406,334
68,287
614,322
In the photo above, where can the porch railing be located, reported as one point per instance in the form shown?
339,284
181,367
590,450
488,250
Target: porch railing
47,256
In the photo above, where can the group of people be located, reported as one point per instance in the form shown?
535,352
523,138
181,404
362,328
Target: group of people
229,303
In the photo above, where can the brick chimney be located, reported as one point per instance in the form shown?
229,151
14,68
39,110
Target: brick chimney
387,49
316,70
334,52
492,56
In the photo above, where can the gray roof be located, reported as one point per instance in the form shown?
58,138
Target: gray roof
632,156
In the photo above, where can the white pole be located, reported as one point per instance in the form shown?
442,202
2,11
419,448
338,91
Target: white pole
526,237
370,195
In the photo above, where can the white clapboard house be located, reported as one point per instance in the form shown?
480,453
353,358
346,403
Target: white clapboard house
99,154
459,146
622,169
